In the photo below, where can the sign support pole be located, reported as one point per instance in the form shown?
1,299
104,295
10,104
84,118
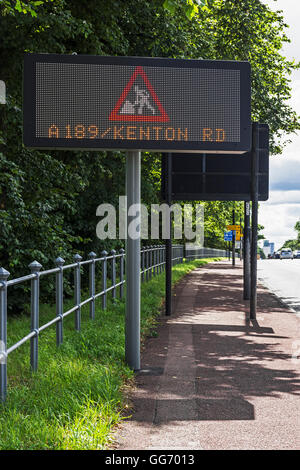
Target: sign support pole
241,244
169,240
233,239
133,242
246,253
254,197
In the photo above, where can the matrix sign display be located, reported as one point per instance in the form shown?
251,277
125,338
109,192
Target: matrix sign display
94,102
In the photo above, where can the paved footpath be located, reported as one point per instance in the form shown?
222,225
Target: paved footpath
213,380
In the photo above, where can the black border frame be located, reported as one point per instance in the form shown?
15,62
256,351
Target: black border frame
29,106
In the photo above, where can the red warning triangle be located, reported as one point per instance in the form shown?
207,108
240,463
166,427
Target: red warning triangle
128,111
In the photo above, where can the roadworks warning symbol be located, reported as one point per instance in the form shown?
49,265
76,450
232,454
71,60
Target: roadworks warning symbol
138,101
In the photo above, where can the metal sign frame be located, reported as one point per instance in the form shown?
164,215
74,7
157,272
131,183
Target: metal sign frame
83,143
234,175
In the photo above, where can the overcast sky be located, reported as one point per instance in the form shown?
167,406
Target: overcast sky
280,213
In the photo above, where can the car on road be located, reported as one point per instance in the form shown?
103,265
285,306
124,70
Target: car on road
286,253
276,255
296,254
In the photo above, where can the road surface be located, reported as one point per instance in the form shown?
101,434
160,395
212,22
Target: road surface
283,278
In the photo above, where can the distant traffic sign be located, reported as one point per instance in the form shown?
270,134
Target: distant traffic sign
96,102
2,92
234,227
214,177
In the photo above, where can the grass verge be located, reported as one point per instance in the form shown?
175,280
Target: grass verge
76,398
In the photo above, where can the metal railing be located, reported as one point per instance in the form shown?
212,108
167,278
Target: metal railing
204,252
112,269
153,259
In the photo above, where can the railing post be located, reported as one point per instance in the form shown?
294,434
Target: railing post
157,259
113,274
3,333
150,262
35,268
153,260
92,289
122,257
77,291
104,278
143,263
59,300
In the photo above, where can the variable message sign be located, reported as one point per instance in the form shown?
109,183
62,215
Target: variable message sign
94,102
212,177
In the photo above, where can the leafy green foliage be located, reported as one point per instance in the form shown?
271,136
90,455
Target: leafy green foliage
249,30
10,7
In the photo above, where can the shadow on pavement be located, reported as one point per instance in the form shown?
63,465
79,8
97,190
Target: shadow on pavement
230,363
226,373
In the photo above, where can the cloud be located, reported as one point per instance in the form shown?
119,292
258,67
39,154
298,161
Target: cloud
279,218
284,174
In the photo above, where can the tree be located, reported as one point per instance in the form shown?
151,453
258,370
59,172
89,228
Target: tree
294,244
249,30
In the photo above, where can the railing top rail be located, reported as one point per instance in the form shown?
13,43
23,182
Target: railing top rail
99,259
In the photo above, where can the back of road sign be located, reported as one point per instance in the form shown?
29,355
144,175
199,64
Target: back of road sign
95,102
228,236
212,177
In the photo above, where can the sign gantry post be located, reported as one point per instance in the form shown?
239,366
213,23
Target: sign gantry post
233,238
254,228
168,307
246,251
